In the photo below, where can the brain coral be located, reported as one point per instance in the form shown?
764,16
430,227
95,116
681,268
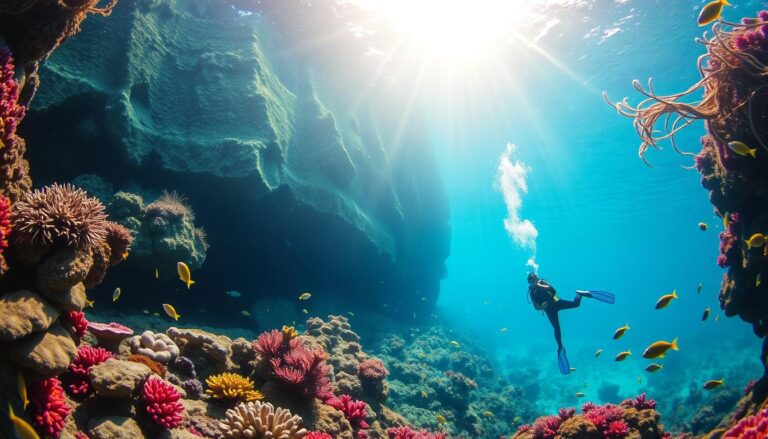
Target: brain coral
231,386
156,346
261,420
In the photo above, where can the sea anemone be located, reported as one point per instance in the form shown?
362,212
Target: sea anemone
171,204
153,365
232,386
78,381
59,216
119,240
261,420
162,402
49,407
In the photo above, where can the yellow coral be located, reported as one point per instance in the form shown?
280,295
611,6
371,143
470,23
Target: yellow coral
232,386
289,333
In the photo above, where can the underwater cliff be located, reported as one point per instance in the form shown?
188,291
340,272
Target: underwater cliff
193,97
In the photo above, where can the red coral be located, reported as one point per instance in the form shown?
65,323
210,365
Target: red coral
641,402
163,404
318,435
602,416
49,407
76,319
353,410
81,435
11,112
78,381
372,369
301,370
752,427
616,430
408,433
566,413
546,427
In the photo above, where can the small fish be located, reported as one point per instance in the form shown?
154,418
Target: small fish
305,311
351,314
305,296
155,314
659,349
620,332
654,367
441,419
503,330
726,221
422,355
21,427
713,384
22,385
756,241
233,294
125,255
455,344
579,394
623,355
741,149
711,12
488,414
598,352
245,313
116,294
758,280
664,300
184,274
573,369
705,315
171,311
703,227
424,299
424,394
145,311
717,318
157,274
698,288
88,304
639,380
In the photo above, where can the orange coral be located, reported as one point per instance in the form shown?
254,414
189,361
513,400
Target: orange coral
153,365
232,386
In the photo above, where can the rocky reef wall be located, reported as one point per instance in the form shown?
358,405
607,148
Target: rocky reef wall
286,173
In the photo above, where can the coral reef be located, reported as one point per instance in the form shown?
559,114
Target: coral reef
162,403
77,379
49,407
231,386
261,420
755,426
14,169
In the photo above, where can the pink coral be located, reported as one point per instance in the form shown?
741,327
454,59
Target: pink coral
546,427
163,404
353,410
11,112
318,435
641,402
408,433
49,407
372,369
301,370
109,335
616,430
76,320
78,381
752,427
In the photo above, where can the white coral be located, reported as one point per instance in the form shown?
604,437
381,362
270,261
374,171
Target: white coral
156,346
257,420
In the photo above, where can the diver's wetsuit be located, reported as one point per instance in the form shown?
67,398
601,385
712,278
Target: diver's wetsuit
544,293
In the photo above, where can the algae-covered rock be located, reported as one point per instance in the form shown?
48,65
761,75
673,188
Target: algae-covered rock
117,378
47,353
23,313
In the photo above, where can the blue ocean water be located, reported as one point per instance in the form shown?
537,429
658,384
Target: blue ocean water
604,219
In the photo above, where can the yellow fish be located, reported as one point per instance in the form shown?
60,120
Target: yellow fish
598,352
88,304
758,280
305,311
711,12
726,223
424,394
125,255
654,367
620,332
157,274
116,294
305,296
184,274
171,311
488,414
156,314
703,227
145,311
659,349
664,300
245,313
455,344
698,289
713,384
22,385
579,394
441,419
21,427
623,355
755,241
517,420
741,149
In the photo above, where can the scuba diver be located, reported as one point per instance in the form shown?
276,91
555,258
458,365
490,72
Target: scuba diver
544,298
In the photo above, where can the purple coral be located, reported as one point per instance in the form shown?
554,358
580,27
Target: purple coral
185,366
193,388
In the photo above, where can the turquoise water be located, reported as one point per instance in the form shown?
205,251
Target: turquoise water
604,219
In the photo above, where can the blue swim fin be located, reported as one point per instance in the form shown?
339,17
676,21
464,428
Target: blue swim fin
562,361
602,296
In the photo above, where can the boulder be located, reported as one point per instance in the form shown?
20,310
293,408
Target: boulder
48,353
114,427
118,378
24,312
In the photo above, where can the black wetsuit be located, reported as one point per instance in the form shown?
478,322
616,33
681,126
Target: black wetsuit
544,293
